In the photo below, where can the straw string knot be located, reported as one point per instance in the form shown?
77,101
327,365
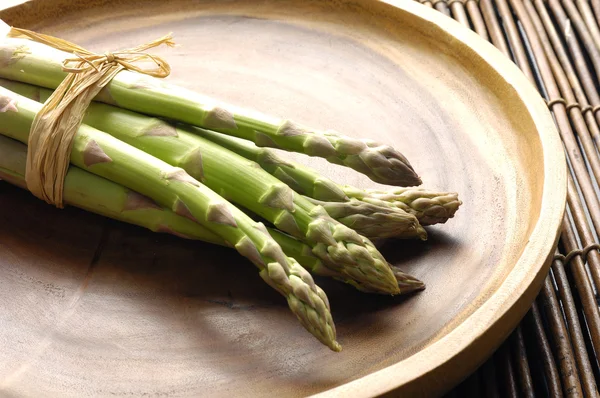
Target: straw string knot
55,125
110,57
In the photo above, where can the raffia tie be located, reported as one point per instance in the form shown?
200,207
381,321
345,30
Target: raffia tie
54,127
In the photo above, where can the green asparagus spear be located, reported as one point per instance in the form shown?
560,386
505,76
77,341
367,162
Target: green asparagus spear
430,207
104,155
352,257
98,195
31,62
374,221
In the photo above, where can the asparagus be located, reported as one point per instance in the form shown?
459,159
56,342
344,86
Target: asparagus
104,155
31,62
378,222
98,195
353,258
430,207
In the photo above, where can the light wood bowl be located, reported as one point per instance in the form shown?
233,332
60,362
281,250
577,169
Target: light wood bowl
91,307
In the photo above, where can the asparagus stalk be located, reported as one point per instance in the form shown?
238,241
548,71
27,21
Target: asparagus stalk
98,195
353,258
35,63
104,155
377,222
430,207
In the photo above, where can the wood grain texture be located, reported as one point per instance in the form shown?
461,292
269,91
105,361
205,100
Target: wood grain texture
97,308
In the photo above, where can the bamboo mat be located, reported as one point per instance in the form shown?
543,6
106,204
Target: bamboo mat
556,43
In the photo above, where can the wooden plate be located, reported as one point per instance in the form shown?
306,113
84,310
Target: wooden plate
91,307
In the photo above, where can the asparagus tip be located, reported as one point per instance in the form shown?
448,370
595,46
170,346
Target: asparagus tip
406,282
335,346
421,233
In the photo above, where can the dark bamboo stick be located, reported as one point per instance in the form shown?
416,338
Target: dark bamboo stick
535,323
522,365
561,341
490,380
570,310
471,387
586,330
508,379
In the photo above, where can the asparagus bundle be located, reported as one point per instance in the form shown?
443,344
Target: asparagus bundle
31,62
98,195
179,176
350,256
103,155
